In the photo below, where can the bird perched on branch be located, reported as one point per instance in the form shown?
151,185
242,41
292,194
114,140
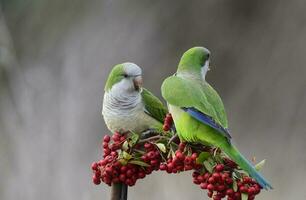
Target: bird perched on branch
127,106
198,111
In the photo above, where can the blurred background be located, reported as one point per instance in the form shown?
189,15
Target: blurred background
56,54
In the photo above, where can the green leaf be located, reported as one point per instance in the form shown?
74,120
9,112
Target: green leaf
140,163
259,165
125,146
202,157
123,161
161,147
126,155
244,196
235,187
133,139
208,166
218,158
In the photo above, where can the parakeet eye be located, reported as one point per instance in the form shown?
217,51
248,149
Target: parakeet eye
208,56
125,75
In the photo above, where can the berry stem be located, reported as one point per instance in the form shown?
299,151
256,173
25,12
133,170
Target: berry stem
119,191
156,137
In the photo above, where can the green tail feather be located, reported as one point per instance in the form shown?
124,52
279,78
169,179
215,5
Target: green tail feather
236,156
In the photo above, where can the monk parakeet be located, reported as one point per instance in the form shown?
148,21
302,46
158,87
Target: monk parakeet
198,111
127,106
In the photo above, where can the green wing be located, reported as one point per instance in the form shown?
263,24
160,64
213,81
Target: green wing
154,107
215,100
201,96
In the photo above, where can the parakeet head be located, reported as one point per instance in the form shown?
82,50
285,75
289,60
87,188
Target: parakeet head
126,77
195,60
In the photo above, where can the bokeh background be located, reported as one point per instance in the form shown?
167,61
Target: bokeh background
56,54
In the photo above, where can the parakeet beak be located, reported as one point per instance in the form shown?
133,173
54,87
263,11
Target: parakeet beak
137,82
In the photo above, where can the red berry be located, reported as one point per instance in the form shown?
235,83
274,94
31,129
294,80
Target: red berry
145,158
229,181
188,167
123,169
106,138
194,156
237,195
210,187
114,153
201,179
114,147
148,145
163,167
116,137
151,154
170,166
211,180
122,177
109,170
182,146
247,179
94,166
129,182
196,181
96,180
210,194
216,197
195,174
122,138
206,176
219,167
129,173
141,174
257,190
98,174
251,190
220,188
230,192
179,155
166,127
106,151
203,186
216,176
243,189
154,162
188,160
251,197
224,176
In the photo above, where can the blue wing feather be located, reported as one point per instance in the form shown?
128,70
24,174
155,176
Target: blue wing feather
209,121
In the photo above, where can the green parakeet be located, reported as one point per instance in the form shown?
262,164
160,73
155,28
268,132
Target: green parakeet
198,111
127,106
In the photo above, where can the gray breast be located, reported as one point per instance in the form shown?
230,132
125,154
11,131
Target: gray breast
122,111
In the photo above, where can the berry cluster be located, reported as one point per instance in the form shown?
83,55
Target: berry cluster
152,157
111,170
126,159
168,121
220,184
180,162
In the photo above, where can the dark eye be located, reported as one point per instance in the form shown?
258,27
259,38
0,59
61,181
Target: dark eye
125,75
208,56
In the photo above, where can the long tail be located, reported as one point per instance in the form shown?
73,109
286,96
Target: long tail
235,155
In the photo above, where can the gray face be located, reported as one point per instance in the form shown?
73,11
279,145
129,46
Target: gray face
132,80
132,70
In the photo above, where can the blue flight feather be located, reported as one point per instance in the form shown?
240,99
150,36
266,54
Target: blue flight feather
209,121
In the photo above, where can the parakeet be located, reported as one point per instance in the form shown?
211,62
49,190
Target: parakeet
198,111
127,106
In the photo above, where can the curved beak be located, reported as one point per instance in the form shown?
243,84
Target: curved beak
137,82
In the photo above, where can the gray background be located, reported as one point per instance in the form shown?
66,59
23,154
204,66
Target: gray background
56,54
